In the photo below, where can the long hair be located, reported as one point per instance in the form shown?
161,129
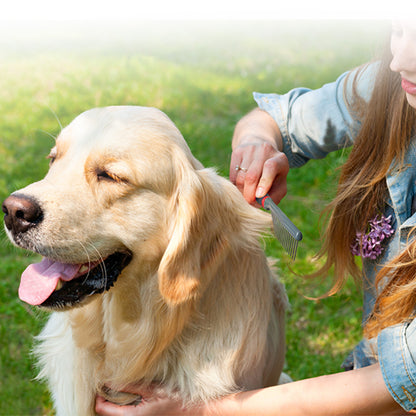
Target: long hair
387,124
396,302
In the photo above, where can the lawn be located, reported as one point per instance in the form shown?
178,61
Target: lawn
202,75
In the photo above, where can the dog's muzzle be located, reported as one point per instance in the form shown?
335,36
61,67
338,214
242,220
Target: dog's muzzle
23,213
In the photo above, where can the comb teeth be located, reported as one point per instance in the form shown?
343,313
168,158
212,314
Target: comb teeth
285,236
284,229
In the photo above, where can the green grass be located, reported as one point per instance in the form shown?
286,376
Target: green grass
202,75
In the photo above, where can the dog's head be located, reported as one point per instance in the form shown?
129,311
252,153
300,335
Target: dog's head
122,186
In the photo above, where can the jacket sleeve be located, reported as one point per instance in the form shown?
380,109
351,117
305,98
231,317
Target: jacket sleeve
316,122
397,353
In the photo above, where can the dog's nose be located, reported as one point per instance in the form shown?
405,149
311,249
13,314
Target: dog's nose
21,213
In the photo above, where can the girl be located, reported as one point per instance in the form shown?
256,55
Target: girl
373,215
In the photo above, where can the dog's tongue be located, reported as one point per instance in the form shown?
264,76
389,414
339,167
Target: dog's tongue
39,280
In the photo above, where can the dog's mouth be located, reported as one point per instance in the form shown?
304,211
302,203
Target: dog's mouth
62,285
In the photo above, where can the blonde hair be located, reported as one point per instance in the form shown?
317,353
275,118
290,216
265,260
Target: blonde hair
387,125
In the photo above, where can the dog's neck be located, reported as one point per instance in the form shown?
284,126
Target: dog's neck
148,327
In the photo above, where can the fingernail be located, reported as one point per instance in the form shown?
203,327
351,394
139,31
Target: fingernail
260,192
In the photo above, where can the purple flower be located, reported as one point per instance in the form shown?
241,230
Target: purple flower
368,245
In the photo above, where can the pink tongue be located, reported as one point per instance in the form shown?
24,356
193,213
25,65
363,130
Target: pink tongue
39,280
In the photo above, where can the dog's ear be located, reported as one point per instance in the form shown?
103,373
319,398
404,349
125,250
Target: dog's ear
197,239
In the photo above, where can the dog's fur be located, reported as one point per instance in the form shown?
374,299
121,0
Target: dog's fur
197,311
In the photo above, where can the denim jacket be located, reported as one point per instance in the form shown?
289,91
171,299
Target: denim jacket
314,123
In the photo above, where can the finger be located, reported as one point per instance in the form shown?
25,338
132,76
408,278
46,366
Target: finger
241,159
274,177
240,178
278,191
234,164
105,408
244,170
251,181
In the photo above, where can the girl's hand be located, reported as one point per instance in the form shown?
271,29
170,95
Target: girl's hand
258,168
152,404
257,164
156,403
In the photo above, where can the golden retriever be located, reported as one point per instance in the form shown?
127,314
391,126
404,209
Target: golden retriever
152,267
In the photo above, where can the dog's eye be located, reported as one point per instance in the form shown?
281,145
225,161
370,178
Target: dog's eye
112,172
51,156
51,159
103,175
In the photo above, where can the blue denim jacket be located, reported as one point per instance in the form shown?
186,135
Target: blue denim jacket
314,123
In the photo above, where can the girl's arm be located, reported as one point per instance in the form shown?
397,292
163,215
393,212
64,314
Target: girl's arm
356,393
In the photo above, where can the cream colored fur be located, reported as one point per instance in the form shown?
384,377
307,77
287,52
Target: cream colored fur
198,310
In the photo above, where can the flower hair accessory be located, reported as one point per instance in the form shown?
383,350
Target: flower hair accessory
368,245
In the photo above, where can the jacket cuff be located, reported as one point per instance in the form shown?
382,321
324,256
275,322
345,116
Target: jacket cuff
397,362
272,104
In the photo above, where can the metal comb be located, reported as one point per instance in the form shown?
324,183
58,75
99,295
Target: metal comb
284,229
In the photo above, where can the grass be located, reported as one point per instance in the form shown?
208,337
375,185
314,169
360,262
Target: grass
202,75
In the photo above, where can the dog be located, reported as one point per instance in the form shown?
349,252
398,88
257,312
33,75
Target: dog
153,268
